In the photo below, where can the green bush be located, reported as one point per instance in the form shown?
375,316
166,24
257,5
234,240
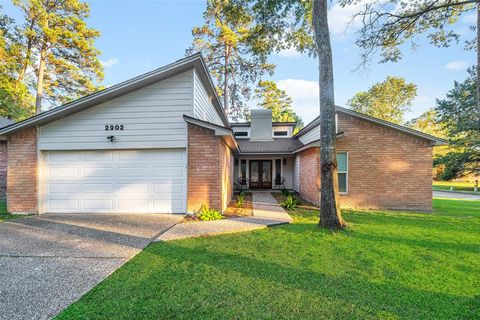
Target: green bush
240,200
208,214
285,192
289,203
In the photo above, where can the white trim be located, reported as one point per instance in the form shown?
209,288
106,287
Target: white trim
346,173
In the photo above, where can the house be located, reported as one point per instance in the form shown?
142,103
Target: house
161,143
3,160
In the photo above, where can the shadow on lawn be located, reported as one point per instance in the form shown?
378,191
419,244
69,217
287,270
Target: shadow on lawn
359,293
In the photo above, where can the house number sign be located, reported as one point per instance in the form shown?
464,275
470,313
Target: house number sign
114,127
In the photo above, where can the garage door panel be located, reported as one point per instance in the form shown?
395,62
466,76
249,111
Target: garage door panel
120,181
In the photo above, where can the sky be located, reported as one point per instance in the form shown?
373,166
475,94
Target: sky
139,36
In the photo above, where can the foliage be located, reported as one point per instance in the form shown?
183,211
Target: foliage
240,200
388,265
285,192
16,102
208,214
235,51
58,58
273,98
460,119
387,100
289,203
386,26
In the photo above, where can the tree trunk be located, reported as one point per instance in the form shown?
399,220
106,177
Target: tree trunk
225,78
40,78
330,214
478,57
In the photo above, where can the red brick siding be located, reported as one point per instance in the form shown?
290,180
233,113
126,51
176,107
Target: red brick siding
22,172
309,177
387,169
3,170
209,166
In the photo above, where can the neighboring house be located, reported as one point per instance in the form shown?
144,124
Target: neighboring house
161,143
3,160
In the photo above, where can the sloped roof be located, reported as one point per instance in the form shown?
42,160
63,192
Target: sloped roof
194,61
5,122
315,122
280,145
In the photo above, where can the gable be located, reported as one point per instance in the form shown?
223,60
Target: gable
203,107
151,117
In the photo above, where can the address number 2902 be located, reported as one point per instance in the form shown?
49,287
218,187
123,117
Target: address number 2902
113,127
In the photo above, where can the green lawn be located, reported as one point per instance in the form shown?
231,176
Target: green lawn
457,185
387,265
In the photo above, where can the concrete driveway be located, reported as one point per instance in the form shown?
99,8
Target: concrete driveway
49,261
455,195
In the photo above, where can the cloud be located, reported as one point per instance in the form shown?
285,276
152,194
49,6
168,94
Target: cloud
456,65
470,18
109,63
289,53
305,96
340,19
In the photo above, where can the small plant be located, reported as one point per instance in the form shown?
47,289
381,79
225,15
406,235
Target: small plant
289,203
240,200
208,214
285,192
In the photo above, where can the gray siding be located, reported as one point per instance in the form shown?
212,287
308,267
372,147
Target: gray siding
296,173
202,105
152,118
310,136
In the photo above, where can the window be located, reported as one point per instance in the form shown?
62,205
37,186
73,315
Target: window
241,133
243,168
342,160
278,170
280,133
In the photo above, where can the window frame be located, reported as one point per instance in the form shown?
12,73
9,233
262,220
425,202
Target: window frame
246,136
345,172
280,136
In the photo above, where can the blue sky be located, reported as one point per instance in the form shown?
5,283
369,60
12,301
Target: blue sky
138,36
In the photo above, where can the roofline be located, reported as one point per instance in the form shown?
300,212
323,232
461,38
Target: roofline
194,61
219,130
247,124
437,141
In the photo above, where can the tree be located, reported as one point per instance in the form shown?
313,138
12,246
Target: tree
59,47
303,26
234,50
459,116
386,26
387,100
15,100
273,98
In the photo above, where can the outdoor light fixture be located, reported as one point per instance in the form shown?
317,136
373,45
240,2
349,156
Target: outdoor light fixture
111,138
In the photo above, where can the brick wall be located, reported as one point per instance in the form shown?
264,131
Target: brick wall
209,167
22,172
3,170
309,177
387,169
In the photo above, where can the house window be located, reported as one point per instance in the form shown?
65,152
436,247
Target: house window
342,160
278,170
280,133
243,168
241,134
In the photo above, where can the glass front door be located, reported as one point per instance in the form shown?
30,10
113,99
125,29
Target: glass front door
260,174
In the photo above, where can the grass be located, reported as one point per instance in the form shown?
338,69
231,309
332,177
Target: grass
4,215
457,185
386,265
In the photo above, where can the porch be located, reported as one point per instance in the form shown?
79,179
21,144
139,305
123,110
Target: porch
263,172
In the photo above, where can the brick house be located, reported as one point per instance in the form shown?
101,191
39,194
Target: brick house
162,143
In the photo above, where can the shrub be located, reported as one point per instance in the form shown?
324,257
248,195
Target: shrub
285,192
289,203
240,200
208,214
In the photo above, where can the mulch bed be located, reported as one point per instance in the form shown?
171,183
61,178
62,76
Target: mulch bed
233,211
304,204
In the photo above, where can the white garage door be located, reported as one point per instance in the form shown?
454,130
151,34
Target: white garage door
123,181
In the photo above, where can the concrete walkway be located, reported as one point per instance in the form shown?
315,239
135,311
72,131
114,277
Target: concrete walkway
266,213
455,195
49,261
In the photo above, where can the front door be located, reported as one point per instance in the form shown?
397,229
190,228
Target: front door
260,174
